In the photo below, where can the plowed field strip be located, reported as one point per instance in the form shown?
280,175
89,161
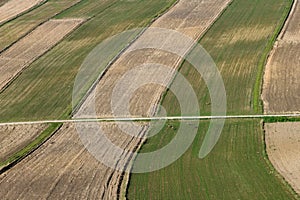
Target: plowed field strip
283,148
14,8
13,30
31,47
15,137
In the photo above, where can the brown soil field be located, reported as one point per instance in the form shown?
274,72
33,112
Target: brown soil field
28,49
62,167
14,138
14,8
282,74
283,148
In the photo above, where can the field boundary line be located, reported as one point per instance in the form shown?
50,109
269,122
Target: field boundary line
145,119
288,20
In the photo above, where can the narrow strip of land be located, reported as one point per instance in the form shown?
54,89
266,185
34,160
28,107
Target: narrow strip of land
141,119
31,47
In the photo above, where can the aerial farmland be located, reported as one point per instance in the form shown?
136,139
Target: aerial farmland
160,99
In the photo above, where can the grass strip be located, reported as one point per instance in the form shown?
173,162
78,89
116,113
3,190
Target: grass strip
257,90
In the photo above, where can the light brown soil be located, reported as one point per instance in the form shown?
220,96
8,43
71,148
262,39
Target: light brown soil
14,8
282,74
14,138
31,47
283,148
63,167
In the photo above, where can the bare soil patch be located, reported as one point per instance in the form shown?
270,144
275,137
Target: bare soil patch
282,74
283,148
15,138
62,167
34,45
13,8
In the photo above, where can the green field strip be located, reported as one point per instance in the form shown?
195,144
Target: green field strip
30,148
238,42
257,90
237,168
44,90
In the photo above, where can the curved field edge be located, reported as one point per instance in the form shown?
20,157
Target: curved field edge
30,148
236,46
257,91
52,99
269,163
143,179
236,169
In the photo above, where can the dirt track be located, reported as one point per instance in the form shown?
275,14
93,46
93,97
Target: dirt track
13,8
282,74
64,162
31,47
14,138
283,148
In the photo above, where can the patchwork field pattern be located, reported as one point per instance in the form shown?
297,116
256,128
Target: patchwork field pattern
282,74
12,31
31,47
187,17
237,42
62,166
13,8
283,148
281,95
77,162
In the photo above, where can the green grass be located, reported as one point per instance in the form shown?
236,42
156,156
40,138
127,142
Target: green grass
281,119
17,156
238,42
238,168
44,90
257,102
